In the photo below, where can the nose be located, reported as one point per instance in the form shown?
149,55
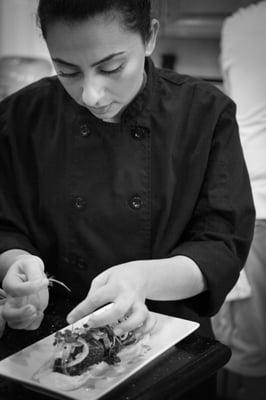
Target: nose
92,91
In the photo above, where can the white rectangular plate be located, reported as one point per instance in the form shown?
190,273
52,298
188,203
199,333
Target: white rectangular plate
23,365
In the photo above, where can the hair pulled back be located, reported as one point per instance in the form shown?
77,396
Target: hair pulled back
136,14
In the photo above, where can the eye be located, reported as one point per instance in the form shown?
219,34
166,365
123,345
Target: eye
68,75
112,71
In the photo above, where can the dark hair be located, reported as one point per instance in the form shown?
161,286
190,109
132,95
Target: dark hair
136,13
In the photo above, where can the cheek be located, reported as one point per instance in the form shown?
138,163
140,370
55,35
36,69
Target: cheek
128,85
72,88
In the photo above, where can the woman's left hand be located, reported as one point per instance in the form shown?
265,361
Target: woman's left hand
124,286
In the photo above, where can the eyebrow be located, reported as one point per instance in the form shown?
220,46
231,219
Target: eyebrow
68,64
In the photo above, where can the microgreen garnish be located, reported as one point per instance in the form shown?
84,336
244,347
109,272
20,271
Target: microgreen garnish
53,280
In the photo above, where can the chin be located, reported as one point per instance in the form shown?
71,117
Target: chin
115,117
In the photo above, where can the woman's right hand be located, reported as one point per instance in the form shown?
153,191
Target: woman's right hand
26,288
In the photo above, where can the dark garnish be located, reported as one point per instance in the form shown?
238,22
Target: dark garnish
77,350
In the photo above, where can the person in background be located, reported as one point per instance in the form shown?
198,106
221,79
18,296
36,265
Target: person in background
124,181
241,322
19,71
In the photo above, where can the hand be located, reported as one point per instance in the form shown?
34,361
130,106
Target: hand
124,286
26,288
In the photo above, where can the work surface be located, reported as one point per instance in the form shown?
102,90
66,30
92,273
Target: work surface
180,369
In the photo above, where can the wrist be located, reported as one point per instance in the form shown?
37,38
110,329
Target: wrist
142,268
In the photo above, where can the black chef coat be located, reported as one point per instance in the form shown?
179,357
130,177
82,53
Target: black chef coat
169,179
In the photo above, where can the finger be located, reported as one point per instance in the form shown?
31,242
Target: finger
92,302
17,288
19,324
18,314
24,318
36,322
34,268
110,315
23,271
137,318
29,324
149,326
24,323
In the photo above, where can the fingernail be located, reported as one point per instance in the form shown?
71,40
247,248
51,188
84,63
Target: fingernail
70,319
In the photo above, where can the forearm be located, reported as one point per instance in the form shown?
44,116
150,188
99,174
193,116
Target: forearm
8,258
172,278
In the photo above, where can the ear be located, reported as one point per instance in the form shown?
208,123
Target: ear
151,42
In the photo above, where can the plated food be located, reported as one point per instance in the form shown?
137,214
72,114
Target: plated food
77,350
84,353
78,363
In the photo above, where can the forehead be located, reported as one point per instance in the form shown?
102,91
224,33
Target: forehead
97,35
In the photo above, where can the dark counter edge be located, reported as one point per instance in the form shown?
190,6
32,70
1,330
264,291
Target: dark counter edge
192,361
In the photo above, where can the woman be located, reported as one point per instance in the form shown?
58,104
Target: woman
124,181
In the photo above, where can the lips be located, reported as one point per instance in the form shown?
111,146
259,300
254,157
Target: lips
100,110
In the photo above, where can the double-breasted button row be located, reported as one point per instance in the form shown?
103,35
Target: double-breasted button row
135,202
81,264
139,132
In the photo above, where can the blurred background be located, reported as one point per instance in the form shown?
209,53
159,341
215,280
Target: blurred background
188,41
24,57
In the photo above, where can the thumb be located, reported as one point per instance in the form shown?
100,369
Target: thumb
26,276
17,288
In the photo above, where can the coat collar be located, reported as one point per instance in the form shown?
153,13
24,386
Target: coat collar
138,111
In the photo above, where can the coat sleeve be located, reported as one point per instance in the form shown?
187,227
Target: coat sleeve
14,233
219,234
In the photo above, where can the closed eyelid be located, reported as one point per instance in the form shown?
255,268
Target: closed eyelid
112,69
108,67
114,62
68,71
59,70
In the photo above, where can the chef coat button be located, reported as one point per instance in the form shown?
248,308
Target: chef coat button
139,132
80,203
81,264
84,130
135,202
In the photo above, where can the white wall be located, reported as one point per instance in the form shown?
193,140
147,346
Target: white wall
19,34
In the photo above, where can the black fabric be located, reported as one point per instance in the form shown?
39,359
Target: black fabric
169,179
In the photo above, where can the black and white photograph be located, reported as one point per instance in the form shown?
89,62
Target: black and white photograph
132,199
